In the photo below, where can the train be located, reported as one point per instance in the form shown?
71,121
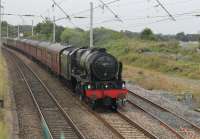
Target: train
93,73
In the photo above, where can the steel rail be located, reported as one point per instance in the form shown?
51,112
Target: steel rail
147,133
157,118
165,109
66,115
107,124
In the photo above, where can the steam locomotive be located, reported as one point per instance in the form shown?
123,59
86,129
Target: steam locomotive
93,73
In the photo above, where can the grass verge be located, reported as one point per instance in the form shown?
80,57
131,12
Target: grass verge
3,127
153,80
3,90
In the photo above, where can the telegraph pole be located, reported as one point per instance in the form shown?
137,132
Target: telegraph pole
0,21
32,28
18,34
54,24
7,30
91,24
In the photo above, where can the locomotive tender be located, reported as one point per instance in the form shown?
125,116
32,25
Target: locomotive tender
93,73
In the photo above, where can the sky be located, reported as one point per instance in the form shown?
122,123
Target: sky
135,15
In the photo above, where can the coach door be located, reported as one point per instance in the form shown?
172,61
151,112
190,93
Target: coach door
49,59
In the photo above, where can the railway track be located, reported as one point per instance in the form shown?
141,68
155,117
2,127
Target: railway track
57,121
125,128
122,126
180,126
23,104
119,124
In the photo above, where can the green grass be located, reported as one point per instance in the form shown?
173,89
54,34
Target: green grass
158,65
3,81
166,57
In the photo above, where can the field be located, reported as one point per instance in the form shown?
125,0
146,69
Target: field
159,65
3,89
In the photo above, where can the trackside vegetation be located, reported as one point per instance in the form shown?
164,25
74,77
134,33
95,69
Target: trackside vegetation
3,90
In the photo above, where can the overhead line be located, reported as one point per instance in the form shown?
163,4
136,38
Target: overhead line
193,13
165,9
87,10
27,15
67,15
189,13
115,15
158,21
49,7
64,12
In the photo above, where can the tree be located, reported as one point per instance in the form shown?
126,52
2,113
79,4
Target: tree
75,37
59,30
3,28
44,31
147,34
182,37
103,35
199,43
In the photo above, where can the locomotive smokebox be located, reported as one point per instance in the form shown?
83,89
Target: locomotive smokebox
99,64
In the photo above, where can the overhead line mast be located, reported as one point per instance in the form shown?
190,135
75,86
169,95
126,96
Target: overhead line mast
54,24
91,25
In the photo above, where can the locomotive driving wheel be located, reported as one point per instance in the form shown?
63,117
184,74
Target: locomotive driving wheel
124,102
114,105
80,92
81,96
93,104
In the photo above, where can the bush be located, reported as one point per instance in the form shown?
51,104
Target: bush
103,35
44,31
75,37
147,34
199,43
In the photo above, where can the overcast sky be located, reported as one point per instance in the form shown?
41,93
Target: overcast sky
135,14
